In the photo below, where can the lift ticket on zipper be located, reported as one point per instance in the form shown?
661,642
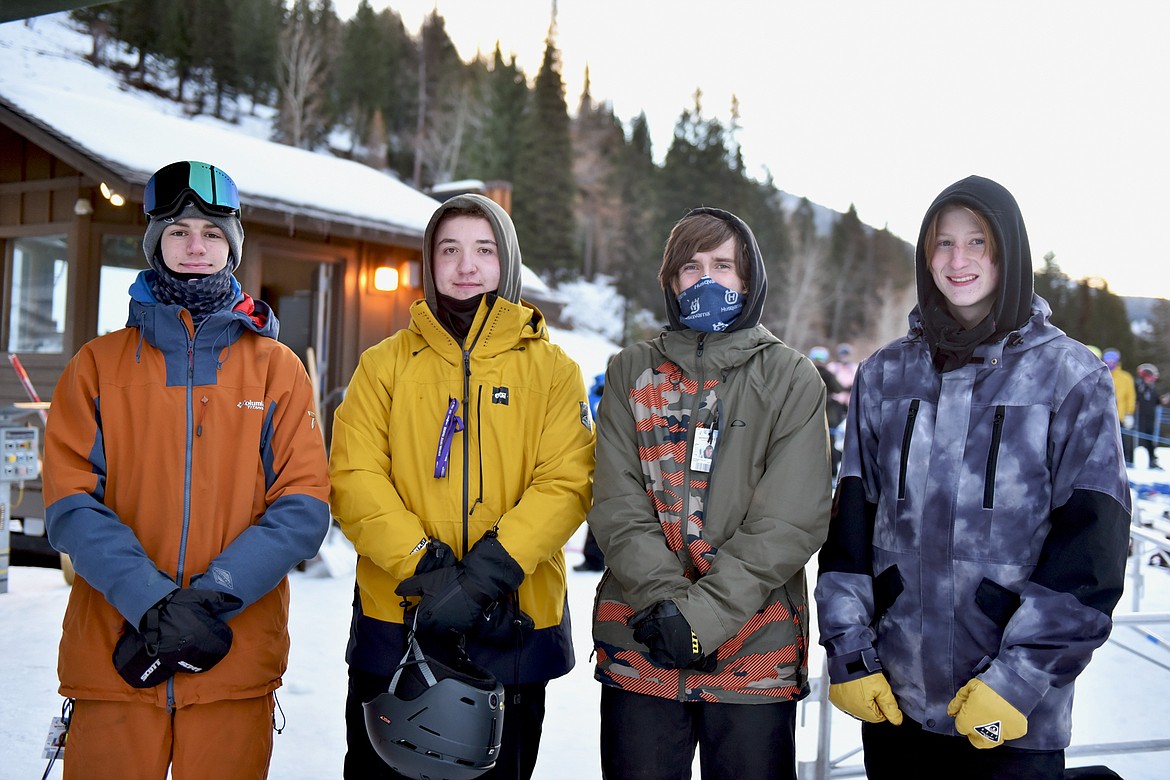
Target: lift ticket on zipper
703,450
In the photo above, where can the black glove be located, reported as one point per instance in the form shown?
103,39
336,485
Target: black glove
668,636
186,630
138,665
439,555
180,633
459,598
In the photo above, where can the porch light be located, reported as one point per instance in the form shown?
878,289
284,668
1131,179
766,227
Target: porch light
385,278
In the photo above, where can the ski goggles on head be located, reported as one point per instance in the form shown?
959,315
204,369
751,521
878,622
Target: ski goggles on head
172,186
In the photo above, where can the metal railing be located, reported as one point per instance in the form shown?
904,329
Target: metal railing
1144,541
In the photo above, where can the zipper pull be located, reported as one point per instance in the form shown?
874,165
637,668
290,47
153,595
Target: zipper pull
202,411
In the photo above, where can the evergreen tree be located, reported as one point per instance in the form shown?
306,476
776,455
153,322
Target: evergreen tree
375,73
543,195
256,26
1156,347
893,290
798,293
849,280
766,215
177,45
215,42
493,145
139,25
598,142
444,100
97,21
699,170
638,249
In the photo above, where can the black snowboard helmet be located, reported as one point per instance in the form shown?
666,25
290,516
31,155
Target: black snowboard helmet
437,720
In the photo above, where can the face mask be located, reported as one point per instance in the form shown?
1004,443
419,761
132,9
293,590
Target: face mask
709,306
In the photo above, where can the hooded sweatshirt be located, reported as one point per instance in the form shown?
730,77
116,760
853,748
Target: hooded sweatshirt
980,522
727,545
521,462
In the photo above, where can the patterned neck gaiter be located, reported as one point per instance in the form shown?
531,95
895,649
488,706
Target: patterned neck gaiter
200,294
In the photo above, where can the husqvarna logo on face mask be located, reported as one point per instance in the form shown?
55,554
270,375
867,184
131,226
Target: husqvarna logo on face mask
695,304
730,297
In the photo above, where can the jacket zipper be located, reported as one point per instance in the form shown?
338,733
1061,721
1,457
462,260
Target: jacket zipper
180,567
993,459
907,435
466,443
467,433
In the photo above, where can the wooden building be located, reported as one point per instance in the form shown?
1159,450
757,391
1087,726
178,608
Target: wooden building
71,226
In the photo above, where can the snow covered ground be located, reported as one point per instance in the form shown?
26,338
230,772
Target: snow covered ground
1121,697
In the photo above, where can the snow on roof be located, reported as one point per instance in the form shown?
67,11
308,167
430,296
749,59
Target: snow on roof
43,76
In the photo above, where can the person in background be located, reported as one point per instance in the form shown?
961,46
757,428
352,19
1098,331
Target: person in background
1124,388
834,409
1146,406
980,526
844,368
594,558
185,476
701,619
462,462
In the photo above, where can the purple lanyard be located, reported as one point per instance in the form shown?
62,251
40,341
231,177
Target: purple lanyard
451,425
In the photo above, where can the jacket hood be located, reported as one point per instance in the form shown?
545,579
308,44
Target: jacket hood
1013,301
507,246
757,282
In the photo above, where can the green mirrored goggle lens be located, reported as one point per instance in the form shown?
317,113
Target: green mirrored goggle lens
173,185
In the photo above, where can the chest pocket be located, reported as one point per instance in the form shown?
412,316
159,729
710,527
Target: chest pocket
993,458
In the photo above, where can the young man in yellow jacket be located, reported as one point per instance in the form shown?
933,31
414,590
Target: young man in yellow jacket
462,461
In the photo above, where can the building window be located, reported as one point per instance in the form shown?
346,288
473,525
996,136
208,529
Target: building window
36,308
122,259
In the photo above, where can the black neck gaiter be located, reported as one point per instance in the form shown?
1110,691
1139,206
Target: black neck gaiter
457,314
951,345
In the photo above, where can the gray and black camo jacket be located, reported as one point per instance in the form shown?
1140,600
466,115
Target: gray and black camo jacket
728,545
979,528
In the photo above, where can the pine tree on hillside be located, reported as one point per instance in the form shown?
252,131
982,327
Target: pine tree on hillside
1156,347
362,64
892,293
544,187
798,293
849,277
256,26
766,215
177,45
598,142
139,25
215,42
698,170
444,99
493,143
638,249
97,21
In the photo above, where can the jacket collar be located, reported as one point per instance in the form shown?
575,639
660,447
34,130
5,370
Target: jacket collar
499,326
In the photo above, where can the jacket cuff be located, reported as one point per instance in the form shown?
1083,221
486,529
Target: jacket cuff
1014,689
854,666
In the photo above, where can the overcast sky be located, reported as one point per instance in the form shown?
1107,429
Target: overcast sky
884,104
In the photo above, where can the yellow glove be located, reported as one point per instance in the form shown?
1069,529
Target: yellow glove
985,716
869,698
